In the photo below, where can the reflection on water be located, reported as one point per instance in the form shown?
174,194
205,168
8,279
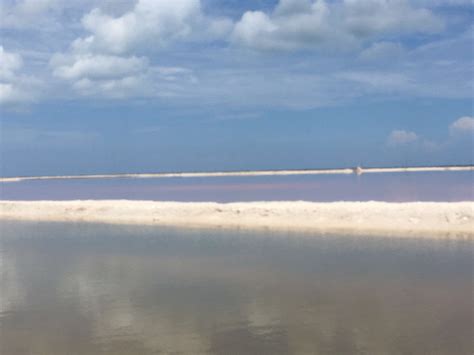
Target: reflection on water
97,289
422,186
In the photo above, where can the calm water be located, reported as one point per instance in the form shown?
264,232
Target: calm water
97,289
423,186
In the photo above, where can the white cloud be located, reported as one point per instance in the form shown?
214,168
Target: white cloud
254,25
150,24
105,62
299,24
14,86
460,129
9,64
463,125
127,47
97,66
125,87
103,75
114,76
7,93
24,89
294,24
401,138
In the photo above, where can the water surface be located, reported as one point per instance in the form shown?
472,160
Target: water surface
398,187
98,289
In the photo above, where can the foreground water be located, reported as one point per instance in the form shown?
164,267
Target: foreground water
98,289
398,187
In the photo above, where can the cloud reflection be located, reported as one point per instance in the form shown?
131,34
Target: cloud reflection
121,290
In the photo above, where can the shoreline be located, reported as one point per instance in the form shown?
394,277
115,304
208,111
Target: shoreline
428,219
356,170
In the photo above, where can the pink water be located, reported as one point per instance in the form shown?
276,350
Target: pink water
398,187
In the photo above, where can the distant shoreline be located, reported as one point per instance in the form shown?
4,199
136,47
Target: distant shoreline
356,170
426,219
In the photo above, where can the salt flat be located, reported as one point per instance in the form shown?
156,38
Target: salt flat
357,170
431,219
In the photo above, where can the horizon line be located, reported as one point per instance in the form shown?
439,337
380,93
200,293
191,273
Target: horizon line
356,170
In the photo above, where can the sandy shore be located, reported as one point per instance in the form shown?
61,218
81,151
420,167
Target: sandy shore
429,218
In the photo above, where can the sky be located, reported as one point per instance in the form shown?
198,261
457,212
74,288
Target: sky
90,86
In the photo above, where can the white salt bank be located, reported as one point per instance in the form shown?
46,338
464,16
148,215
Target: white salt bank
412,218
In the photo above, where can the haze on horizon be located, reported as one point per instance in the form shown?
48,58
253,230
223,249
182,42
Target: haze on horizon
97,87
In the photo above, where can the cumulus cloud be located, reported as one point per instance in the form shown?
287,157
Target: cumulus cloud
296,24
105,62
460,129
463,125
97,66
98,74
117,76
125,87
126,48
150,24
15,86
9,64
293,24
401,138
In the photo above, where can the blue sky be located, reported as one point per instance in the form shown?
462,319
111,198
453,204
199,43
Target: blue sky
153,85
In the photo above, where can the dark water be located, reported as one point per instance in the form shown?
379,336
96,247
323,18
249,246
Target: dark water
422,186
97,289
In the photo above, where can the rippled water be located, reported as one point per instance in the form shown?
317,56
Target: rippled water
421,186
97,289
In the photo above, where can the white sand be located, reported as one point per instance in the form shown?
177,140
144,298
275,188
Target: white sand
428,218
